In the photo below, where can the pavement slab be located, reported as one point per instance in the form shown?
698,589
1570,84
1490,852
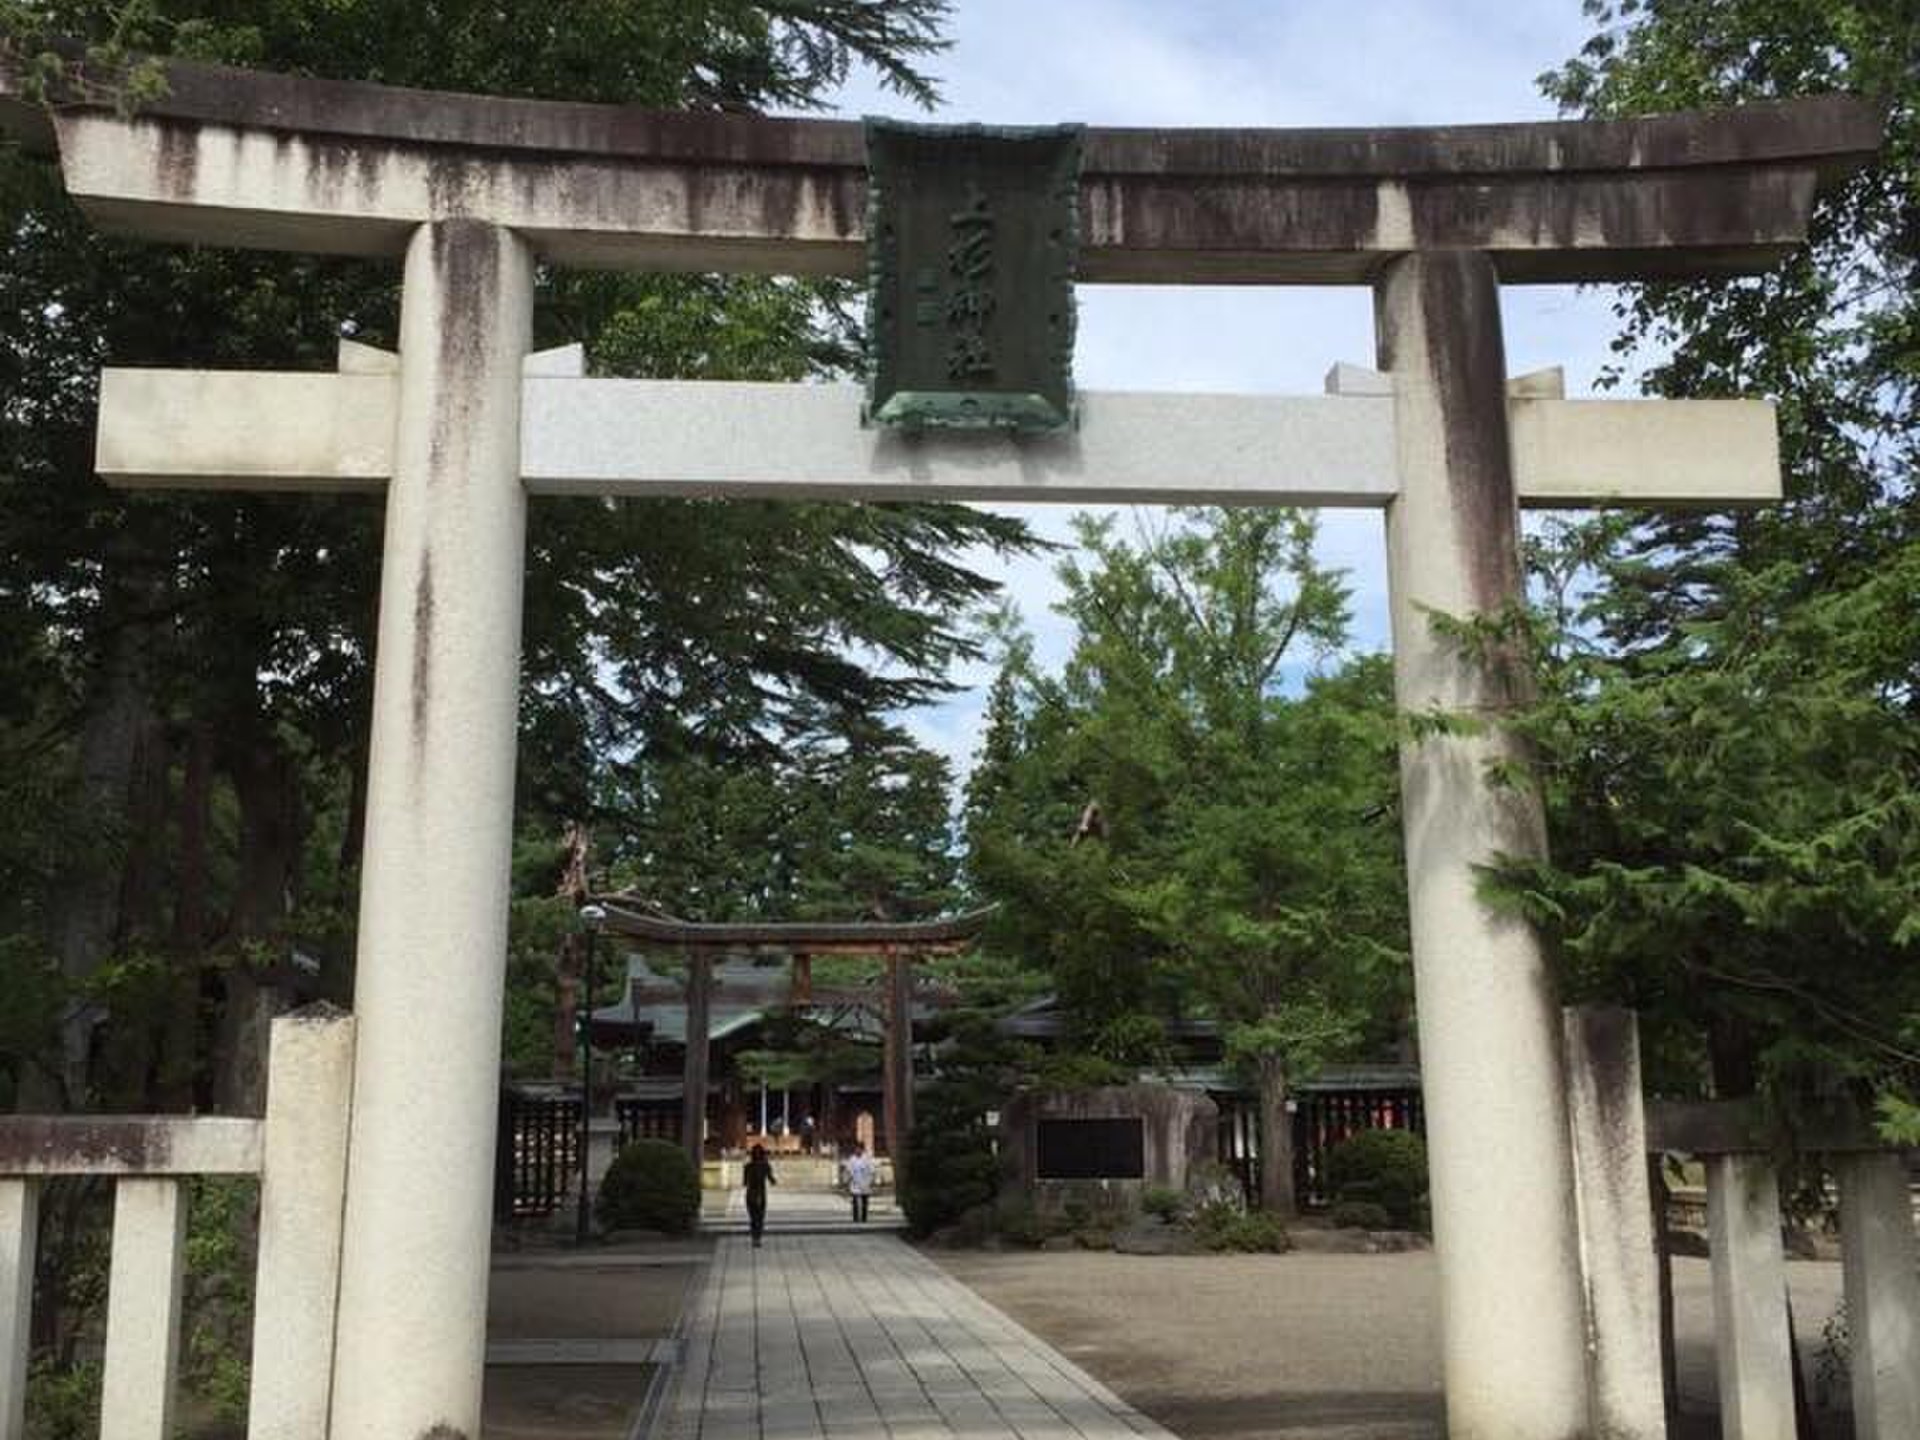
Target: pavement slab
860,1337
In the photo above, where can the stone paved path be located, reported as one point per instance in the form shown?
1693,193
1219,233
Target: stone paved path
831,1337
792,1207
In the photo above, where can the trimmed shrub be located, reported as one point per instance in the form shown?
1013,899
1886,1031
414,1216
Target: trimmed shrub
651,1185
1021,1224
1360,1215
1387,1168
1242,1231
951,1167
1163,1202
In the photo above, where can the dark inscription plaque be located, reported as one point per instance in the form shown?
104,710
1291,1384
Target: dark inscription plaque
972,236
1091,1149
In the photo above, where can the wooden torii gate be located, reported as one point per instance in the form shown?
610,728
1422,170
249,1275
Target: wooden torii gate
898,943
463,425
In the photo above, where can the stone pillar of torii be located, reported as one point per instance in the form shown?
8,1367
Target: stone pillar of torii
464,425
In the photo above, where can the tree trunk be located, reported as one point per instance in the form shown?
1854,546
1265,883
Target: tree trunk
180,1052
1276,1141
266,784
570,964
85,913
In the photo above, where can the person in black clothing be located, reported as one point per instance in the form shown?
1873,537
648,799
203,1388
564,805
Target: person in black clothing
758,1175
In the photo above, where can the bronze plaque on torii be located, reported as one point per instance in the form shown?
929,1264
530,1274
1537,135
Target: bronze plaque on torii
973,232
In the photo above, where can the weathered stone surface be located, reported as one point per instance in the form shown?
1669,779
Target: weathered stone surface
1752,1345
129,1145
1492,1073
253,159
1616,1220
302,1191
278,431
429,971
1177,1129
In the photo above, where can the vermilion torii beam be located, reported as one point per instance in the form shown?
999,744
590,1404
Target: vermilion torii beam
475,192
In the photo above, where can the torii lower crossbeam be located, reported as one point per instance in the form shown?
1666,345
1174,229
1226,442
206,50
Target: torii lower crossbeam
278,431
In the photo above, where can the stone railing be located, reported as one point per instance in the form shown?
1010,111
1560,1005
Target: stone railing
1879,1258
298,1151
1617,1140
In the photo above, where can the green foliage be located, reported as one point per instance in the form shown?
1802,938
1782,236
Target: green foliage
218,1306
1727,727
651,1185
806,1051
1195,818
63,1401
171,660
1254,1232
1387,1168
1360,1215
1163,1202
1899,1120
850,818
1020,1223
951,1165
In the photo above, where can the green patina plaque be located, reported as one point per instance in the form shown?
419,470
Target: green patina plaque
973,234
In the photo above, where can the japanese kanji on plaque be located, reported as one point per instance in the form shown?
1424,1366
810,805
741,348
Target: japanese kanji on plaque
972,238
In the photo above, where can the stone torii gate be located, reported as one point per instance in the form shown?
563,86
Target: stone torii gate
899,943
462,426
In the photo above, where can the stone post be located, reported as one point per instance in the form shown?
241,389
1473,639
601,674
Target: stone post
1883,1294
19,1238
1615,1206
1514,1341
1752,1351
693,1090
430,977
303,1177
144,1286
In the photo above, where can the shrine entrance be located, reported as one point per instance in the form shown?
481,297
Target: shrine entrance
716,972
463,425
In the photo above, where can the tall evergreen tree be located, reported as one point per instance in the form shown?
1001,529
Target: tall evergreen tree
1729,720
194,671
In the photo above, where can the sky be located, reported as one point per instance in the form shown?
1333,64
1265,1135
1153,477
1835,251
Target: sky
1245,63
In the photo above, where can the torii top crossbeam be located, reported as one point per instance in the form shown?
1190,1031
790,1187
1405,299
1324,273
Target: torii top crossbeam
797,937
246,158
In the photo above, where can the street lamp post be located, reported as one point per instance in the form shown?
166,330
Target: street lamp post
591,917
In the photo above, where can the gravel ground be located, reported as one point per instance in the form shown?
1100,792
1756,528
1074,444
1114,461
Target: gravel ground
1296,1347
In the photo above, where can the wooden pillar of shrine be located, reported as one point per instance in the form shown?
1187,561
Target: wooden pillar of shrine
693,1101
898,1059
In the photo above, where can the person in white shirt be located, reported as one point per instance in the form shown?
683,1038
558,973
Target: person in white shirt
860,1180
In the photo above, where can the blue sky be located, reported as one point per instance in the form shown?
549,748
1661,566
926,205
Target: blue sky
1252,63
